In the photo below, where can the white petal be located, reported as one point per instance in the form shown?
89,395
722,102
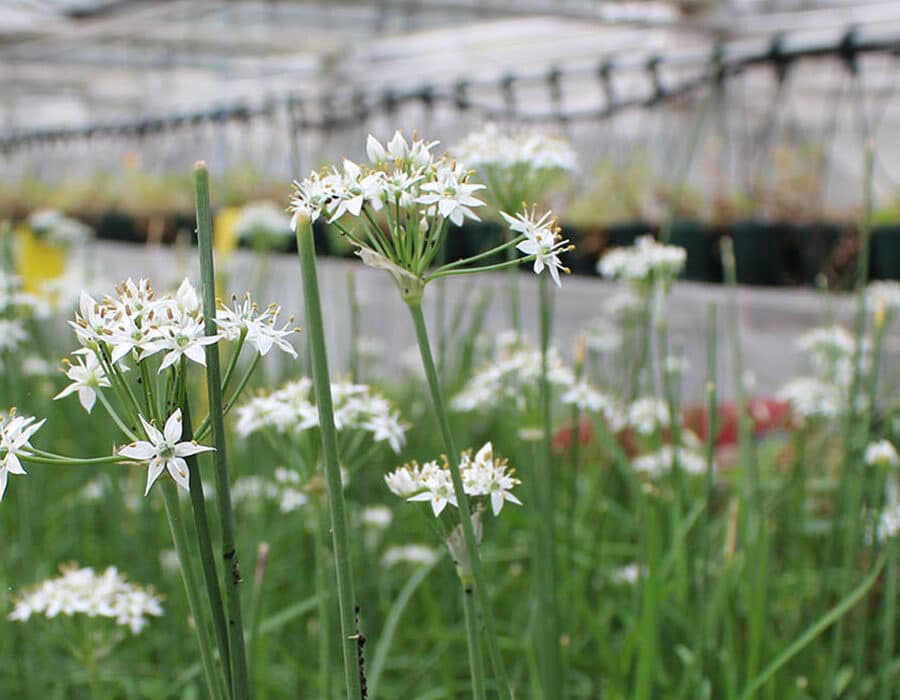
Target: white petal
138,450
196,353
3,479
12,464
186,449
179,470
172,429
87,397
153,435
154,469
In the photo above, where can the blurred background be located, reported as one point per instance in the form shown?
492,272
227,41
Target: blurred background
747,117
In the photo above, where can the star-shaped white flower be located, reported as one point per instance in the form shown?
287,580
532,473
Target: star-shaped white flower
164,450
15,434
452,195
87,376
542,240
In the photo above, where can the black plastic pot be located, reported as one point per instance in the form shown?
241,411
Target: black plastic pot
811,247
884,254
116,226
625,233
760,251
702,245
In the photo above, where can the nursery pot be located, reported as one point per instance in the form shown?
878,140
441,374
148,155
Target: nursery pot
701,243
884,254
812,247
625,233
759,251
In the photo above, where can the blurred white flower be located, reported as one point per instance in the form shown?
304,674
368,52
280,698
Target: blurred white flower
646,260
80,591
647,414
409,554
12,334
882,453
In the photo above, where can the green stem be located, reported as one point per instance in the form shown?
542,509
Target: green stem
437,398
204,542
241,684
322,384
476,661
214,680
889,620
480,256
437,274
548,618
822,624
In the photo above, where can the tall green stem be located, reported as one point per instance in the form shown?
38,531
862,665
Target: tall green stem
437,398
204,541
548,620
240,677
195,597
476,661
322,384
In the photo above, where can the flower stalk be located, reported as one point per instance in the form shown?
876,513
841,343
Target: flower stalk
238,655
468,530
321,381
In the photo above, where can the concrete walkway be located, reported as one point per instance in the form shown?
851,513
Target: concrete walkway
769,320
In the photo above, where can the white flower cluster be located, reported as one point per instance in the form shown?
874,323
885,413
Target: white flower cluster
830,351
17,303
291,410
645,261
401,176
285,489
882,453
483,476
263,222
587,399
138,323
57,228
647,414
655,464
883,294
81,591
520,151
511,378
812,398
12,334
15,442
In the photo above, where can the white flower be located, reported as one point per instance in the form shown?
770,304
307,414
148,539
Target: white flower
59,229
82,592
882,453
12,334
486,476
164,451
310,198
648,413
376,517
404,481
183,337
883,294
244,317
629,574
87,376
810,397
437,488
542,240
889,522
291,410
409,554
516,153
657,463
451,194
643,261
263,221
15,441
